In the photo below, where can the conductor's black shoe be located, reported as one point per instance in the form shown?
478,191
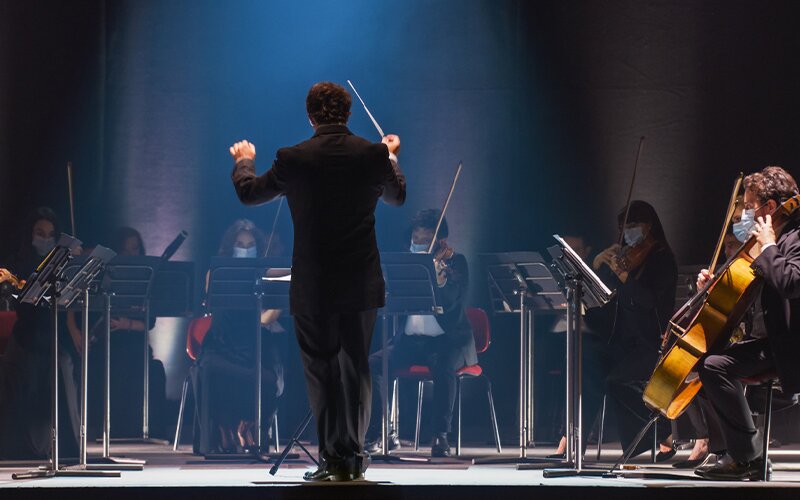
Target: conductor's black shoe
440,446
733,471
375,446
325,473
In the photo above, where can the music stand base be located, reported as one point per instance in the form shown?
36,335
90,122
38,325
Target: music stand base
137,441
66,472
388,458
554,473
519,461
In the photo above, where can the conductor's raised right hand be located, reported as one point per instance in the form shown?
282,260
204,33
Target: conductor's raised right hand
392,142
243,150
703,278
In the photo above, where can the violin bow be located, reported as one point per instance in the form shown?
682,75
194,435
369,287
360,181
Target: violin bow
630,191
374,121
444,208
274,225
71,199
737,184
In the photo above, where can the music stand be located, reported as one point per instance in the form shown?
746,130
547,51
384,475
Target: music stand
583,289
410,289
48,277
243,284
521,283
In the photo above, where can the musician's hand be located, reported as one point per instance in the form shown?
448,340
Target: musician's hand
243,150
120,324
702,278
607,257
392,142
763,231
5,275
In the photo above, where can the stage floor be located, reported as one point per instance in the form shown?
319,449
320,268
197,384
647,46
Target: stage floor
173,475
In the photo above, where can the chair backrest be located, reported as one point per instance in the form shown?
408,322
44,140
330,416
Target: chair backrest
480,328
198,329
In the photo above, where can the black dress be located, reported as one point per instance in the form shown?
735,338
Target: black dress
224,378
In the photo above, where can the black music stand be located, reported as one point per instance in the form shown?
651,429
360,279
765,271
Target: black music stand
583,289
84,282
127,284
410,289
521,283
49,277
250,285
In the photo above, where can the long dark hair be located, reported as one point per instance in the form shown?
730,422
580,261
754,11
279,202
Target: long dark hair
121,235
41,213
642,212
229,238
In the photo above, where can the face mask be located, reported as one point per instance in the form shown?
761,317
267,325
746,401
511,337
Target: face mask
244,253
418,248
633,235
744,227
43,245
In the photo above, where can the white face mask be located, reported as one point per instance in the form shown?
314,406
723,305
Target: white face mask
43,245
633,235
418,247
744,227
244,253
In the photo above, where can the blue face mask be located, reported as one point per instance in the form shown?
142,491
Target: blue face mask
633,235
246,253
744,227
418,248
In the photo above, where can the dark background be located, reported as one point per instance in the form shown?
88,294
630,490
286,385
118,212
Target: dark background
543,101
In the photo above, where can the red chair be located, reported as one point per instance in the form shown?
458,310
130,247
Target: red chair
7,320
482,334
195,335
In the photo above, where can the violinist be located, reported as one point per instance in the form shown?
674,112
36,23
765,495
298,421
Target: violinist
620,358
778,265
444,342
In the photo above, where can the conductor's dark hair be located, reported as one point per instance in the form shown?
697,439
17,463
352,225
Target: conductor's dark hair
771,183
328,103
229,238
427,219
643,213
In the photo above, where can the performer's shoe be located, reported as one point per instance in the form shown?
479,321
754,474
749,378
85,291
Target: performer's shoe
694,463
730,470
327,473
663,456
440,446
376,446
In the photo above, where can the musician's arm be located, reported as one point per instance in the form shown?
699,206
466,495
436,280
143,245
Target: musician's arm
392,179
454,291
779,265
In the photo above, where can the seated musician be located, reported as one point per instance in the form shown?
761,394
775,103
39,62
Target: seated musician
778,267
25,425
620,358
225,383
444,343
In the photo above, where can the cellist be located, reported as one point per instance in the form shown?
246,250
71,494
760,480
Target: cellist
778,265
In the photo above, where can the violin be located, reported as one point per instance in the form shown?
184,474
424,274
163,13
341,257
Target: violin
631,257
441,259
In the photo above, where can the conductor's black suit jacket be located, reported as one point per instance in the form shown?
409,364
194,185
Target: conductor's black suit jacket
332,183
779,266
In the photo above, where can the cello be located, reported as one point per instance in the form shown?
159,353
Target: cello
706,322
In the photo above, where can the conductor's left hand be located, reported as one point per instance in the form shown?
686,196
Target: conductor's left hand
243,150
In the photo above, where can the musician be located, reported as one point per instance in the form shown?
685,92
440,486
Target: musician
226,377
778,266
332,183
444,342
619,360
25,381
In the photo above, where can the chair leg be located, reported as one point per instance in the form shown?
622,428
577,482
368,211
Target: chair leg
493,415
420,393
181,408
275,432
600,430
396,406
654,450
458,416
767,425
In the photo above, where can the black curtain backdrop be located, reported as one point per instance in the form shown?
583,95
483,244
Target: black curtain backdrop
543,101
